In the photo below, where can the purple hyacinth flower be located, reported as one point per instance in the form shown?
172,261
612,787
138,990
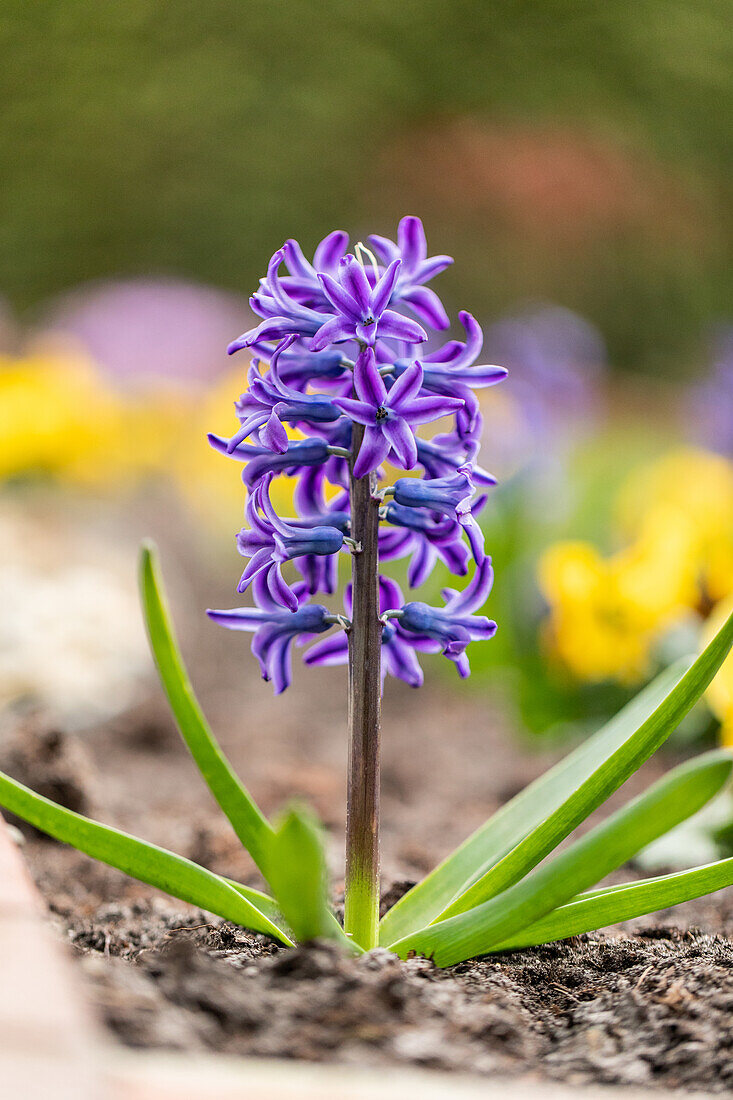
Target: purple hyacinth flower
361,312
390,415
398,655
453,626
283,315
450,496
424,539
275,630
297,366
417,268
302,283
261,460
311,504
451,370
320,572
321,315
268,402
268,541
443,454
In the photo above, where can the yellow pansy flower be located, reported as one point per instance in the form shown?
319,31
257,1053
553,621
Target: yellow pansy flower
690,493
606,613
59,417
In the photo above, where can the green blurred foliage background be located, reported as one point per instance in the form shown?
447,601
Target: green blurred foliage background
573,150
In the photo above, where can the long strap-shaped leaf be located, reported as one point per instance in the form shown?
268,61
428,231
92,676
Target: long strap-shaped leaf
516,818
261,901
248,822
607,777
299,879
623,902
147,862
664,805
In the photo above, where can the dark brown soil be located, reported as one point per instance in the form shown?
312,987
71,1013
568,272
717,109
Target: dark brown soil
651,1004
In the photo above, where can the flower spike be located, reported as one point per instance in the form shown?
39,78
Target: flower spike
340,388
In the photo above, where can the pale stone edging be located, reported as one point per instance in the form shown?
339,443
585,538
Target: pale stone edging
48,1041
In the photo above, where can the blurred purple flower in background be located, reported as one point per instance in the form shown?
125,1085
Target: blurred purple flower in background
149,329
712,399
557,363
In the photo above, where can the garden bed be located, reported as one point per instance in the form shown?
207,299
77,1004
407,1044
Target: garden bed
648,1006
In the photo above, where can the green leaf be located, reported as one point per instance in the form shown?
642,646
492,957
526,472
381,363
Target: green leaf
599,908
635,732
260,900
527,809
175,875
299,879
670,800
250,825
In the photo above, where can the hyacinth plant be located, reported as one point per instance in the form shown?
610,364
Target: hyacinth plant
339,358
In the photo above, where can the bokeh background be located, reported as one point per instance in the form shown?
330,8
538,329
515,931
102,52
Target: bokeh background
574,158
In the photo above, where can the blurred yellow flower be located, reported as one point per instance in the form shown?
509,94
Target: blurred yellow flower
58,417
53,413
690,493
606,614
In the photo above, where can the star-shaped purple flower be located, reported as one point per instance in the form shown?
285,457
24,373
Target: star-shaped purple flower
417,268
388,415
361,312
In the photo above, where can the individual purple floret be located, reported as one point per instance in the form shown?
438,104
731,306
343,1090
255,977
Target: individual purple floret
416,269
262,461
398,655
268,541
452,371
449,496
268,403
424,540
453,626
275,630
303,283
339,362
283,315
298,366
390,415
361,310
319,571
